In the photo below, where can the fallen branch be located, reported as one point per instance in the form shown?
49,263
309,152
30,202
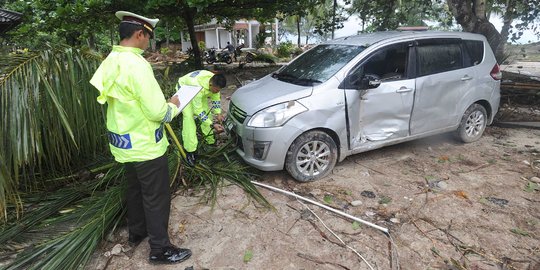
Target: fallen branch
465,249
385,230
418,228
335,235
315,260
369,168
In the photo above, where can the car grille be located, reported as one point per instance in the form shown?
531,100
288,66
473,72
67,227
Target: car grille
237,114
237,140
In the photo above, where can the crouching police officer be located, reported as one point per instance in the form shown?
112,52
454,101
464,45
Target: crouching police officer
197,110
136,113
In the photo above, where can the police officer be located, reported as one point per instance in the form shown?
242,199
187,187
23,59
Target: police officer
198,110
136,113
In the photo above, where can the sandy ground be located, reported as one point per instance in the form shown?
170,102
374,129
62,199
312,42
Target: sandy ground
447,205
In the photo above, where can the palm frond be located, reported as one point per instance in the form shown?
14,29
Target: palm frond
49,114
216,165
69,224
8,190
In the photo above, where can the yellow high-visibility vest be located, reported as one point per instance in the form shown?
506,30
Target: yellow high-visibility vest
136,107
198,108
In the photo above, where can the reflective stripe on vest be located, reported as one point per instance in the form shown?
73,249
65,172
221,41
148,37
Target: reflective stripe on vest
216,105
168,116
159,133
202,116
120,141
194,73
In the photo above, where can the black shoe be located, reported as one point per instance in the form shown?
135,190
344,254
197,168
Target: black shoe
134,239
170,254
191,158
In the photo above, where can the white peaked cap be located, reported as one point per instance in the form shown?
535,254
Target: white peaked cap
137,18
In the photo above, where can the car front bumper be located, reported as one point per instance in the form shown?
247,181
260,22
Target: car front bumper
262,148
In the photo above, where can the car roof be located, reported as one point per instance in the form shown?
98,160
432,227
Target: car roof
367,39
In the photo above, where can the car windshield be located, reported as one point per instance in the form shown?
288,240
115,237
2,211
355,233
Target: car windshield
318,64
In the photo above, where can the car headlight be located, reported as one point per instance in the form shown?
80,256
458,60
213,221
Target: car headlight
276,115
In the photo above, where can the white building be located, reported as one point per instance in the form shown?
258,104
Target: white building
216,36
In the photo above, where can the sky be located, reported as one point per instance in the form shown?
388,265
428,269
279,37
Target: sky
353,25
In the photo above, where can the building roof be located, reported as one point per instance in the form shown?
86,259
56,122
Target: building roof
9,19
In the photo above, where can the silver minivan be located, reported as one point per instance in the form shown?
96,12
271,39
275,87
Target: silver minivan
359,93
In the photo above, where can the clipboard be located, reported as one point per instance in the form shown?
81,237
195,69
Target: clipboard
186,93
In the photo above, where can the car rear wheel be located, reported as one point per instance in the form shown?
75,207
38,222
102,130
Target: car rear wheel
311,156
473,123
228,59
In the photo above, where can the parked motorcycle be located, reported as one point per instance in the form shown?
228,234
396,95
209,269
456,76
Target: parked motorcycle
211,56
249,56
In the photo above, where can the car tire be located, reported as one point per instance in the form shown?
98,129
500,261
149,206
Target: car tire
311,156
473,123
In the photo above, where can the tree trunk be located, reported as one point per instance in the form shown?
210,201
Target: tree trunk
334,18
91,41
168,33
189,18
298,29
471,15
508,18
112,36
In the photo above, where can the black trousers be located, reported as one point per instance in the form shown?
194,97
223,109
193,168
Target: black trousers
149,200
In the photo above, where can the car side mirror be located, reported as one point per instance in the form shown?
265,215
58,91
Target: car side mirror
370,81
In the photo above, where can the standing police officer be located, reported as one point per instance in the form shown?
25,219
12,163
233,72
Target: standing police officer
136,113
198,110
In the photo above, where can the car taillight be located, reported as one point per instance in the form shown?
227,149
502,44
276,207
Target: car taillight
496,73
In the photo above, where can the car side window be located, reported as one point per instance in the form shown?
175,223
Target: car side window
475,50
386,64
438,57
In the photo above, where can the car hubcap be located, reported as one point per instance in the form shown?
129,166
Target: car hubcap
313,158
475,124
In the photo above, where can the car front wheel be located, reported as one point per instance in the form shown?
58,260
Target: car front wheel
473,123
311,156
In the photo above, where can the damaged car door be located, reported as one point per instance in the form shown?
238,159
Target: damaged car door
442,81
379,95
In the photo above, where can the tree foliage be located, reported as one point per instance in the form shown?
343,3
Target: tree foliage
379,15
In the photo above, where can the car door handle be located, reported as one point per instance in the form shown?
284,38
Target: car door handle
466,78
403,90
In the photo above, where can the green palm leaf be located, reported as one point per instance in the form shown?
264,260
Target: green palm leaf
50,120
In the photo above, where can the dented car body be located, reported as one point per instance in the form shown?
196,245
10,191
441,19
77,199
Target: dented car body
359,93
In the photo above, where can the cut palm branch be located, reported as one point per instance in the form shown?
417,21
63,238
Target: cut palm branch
49,117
